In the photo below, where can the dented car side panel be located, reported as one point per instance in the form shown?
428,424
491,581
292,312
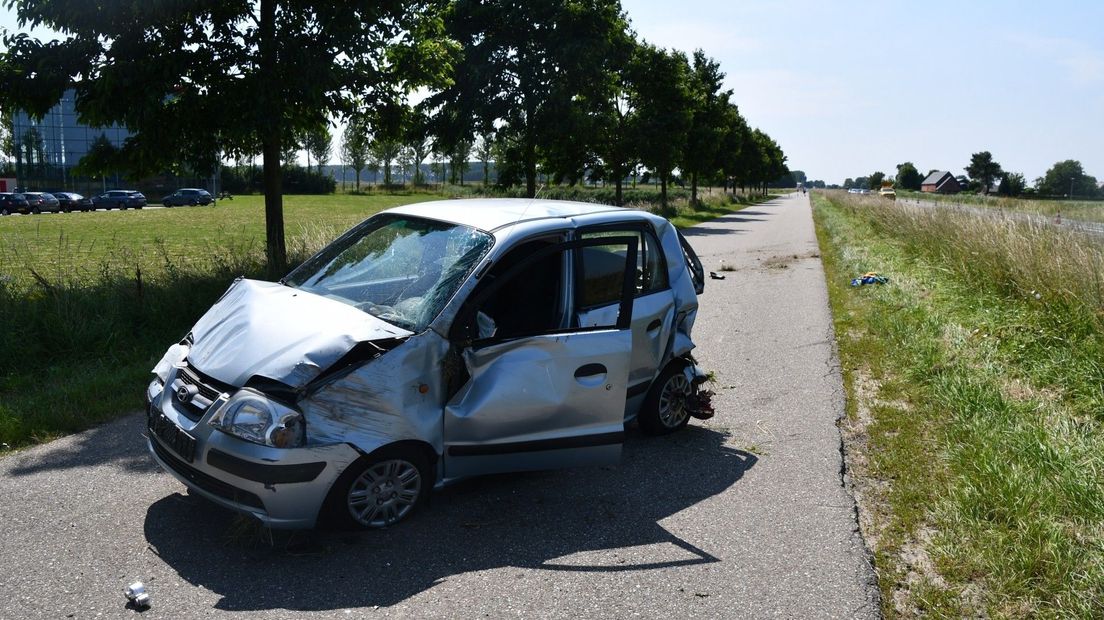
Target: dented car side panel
534,403
395,397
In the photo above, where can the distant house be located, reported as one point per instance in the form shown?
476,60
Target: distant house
940,182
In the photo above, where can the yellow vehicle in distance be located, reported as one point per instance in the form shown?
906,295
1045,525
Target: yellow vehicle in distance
887,190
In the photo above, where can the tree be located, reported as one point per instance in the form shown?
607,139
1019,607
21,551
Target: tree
876,180
848,183
908,177
862,183
614,132
484,150
983,169
385,150
707,116
318,144
100,160
736,141
1012,184
215,78
354,146
664,104
527,67
1067,178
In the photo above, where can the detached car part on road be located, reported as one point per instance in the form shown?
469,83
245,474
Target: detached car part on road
432,342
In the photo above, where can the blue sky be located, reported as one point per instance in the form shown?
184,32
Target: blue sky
851,88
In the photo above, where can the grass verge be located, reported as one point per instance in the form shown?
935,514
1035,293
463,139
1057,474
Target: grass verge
975,432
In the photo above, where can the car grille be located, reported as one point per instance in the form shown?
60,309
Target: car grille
205,482
208,391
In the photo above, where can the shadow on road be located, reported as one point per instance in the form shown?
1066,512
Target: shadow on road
595,519
117,443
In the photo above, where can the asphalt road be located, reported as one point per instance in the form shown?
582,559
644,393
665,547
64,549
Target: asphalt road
743,516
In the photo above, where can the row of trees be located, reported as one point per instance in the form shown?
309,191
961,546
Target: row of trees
559,86
552,91
985,175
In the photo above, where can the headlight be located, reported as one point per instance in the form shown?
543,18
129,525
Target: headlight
254,417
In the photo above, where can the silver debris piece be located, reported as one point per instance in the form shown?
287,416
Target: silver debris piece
136,593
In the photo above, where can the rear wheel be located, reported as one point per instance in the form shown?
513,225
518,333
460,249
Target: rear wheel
36,211
666,408
4,211
379,490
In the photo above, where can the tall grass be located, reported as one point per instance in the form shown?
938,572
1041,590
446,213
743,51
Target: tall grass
1088,210
987,438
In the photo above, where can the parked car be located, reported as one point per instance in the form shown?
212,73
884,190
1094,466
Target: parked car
120,199
71,201
40,201
432,342
188,196
13,203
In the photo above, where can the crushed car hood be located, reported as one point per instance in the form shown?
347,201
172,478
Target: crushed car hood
279,332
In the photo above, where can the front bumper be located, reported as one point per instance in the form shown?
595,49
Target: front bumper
283,488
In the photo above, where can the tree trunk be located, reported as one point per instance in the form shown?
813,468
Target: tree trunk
275,249
694,190
274,207
663,192
617,184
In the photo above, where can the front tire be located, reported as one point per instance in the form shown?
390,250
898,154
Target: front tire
666,408
379,490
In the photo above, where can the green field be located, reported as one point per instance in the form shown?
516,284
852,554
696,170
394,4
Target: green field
975,432
80,245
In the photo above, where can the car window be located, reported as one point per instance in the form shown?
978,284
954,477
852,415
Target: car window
401,269
651,267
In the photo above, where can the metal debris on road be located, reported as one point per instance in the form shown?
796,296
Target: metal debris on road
136,593
713,274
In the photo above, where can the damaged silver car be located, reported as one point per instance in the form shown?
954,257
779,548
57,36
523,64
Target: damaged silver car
429,343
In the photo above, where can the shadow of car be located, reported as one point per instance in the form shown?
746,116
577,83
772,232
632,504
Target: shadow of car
564,521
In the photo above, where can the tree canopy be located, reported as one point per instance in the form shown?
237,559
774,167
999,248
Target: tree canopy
1067,178
983,170
908,177
217,78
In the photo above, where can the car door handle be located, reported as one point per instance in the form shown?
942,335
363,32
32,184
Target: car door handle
654,325
589,370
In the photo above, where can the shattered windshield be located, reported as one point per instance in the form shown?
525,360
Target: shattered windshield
401,269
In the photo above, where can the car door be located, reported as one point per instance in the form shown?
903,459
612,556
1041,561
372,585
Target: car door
653,307
541,393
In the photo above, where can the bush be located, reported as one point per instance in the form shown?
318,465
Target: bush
297,180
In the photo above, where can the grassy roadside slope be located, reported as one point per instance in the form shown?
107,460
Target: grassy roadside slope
975,429
90,301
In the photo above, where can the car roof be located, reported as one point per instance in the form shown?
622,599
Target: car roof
491,214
